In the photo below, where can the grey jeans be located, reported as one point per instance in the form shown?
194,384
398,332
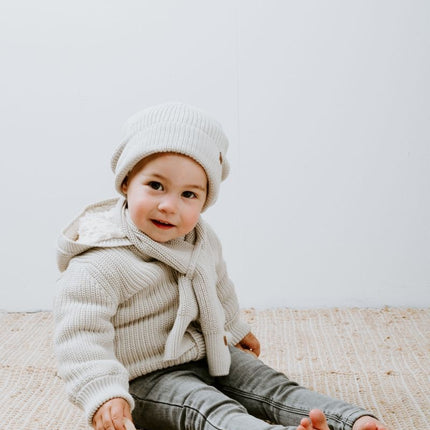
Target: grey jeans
186,397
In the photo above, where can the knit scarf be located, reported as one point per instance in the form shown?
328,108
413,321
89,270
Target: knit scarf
193,261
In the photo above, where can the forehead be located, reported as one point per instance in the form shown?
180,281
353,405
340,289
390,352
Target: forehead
171,162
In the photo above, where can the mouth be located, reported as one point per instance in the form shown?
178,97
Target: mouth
164,225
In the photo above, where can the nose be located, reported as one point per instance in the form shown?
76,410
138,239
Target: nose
168,204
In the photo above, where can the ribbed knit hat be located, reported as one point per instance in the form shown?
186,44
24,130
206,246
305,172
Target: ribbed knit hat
174,127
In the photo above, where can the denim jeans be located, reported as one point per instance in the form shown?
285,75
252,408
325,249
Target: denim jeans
186,397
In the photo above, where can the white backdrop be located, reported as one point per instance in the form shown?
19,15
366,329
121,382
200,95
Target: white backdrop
327,106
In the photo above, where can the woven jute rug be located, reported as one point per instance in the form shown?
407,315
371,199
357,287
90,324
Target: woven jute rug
379,359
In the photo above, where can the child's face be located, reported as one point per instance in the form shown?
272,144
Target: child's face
165,195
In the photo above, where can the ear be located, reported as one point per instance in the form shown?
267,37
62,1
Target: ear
124,185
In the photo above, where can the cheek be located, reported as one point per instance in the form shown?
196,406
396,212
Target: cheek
137,206
193,217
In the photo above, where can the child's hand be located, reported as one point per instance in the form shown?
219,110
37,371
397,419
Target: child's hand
249,344
111,415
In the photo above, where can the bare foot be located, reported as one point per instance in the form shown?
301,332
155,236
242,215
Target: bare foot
368,423
316,421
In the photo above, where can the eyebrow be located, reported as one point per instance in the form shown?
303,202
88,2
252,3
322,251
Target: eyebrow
161,177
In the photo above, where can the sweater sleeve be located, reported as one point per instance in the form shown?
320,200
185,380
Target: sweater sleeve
228,298
84,340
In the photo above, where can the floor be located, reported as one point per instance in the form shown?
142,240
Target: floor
376,358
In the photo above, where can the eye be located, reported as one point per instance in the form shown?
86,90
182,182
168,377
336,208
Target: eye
189,195
155,185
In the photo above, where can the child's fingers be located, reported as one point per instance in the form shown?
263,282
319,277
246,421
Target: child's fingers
117,417
120,412
102,420
111,415
250,344
128,424
255,346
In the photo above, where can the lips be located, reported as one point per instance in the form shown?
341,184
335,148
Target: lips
164,225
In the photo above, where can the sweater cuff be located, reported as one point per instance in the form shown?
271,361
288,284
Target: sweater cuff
238,331
99,391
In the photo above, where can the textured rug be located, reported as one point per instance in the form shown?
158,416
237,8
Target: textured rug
379,359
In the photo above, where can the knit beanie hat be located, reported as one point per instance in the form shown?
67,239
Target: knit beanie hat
174,127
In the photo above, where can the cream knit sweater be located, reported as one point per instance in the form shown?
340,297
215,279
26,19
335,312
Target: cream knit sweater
127,305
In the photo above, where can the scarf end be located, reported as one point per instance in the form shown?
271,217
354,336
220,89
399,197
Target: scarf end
218,354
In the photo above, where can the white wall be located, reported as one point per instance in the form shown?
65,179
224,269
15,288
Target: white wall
327,105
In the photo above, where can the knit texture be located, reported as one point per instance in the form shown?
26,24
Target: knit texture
174,127
192,259
137,306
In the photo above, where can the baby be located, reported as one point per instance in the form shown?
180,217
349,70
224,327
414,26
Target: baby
148,325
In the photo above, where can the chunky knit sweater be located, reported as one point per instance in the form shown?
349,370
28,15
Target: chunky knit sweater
127,305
